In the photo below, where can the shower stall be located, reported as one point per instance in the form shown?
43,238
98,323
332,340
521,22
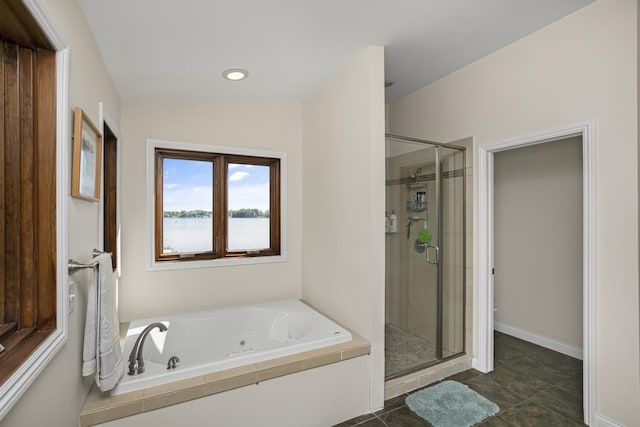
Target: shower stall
425,251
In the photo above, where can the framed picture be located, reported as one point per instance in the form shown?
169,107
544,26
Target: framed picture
87,158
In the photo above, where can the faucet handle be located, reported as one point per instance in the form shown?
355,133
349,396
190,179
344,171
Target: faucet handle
173,361
133,367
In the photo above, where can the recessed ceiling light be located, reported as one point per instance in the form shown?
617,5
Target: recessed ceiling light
235,74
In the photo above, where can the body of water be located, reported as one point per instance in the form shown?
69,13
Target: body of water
195,234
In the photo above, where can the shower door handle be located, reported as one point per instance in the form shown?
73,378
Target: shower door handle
437,259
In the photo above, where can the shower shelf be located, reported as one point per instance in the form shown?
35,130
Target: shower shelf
411,207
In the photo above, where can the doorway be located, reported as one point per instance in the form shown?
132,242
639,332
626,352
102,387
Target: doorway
110,204
109,228
484,304
538,244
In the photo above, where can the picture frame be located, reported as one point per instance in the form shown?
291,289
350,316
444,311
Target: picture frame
86,171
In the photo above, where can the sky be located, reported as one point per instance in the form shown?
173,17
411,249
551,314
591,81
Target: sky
188,185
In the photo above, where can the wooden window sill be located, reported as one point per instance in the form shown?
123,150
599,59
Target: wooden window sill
17,348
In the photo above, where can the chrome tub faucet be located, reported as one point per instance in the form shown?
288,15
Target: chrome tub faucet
136,364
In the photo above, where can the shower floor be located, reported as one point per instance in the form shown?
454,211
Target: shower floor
405,351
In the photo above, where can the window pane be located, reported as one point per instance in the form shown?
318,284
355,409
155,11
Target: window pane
187,202
248,204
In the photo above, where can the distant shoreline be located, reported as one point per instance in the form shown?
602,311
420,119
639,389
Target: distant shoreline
233,213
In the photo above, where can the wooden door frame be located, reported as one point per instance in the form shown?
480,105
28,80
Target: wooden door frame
105,118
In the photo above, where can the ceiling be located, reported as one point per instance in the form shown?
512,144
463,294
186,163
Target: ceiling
178,49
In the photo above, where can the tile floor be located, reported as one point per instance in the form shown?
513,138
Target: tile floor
533,386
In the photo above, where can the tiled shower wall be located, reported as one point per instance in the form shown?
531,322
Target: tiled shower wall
458,271
452,252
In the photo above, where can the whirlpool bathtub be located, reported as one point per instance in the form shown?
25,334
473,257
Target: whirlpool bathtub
212,341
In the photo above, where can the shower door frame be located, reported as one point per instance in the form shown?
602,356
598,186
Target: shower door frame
439,310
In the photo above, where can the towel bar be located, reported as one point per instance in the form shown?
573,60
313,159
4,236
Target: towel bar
75,266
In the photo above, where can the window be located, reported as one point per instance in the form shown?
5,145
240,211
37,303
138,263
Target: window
212,205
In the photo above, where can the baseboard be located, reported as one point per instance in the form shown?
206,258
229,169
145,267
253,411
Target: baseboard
602,421
539,340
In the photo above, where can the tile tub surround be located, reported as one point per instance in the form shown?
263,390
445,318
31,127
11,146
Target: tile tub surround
100,408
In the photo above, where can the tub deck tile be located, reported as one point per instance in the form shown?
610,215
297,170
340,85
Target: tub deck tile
321,360
230,373
267,373
171,393
220,385
96,400
90,418
280,361
195,382
356,352
168,399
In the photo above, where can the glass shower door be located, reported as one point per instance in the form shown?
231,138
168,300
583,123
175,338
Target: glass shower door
424,255
412,295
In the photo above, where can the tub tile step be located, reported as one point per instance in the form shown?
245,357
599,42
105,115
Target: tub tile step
90,418
226,384
175,386
267,373
168,399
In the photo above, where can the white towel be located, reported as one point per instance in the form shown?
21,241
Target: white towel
110,364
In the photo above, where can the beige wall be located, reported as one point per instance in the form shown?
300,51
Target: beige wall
56,396
538,240
580,68
343,203
263,126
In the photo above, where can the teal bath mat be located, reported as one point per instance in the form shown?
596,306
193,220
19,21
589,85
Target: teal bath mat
451,404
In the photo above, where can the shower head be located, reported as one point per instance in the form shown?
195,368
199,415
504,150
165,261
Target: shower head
416,173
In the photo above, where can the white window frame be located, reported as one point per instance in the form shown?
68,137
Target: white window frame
152,264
